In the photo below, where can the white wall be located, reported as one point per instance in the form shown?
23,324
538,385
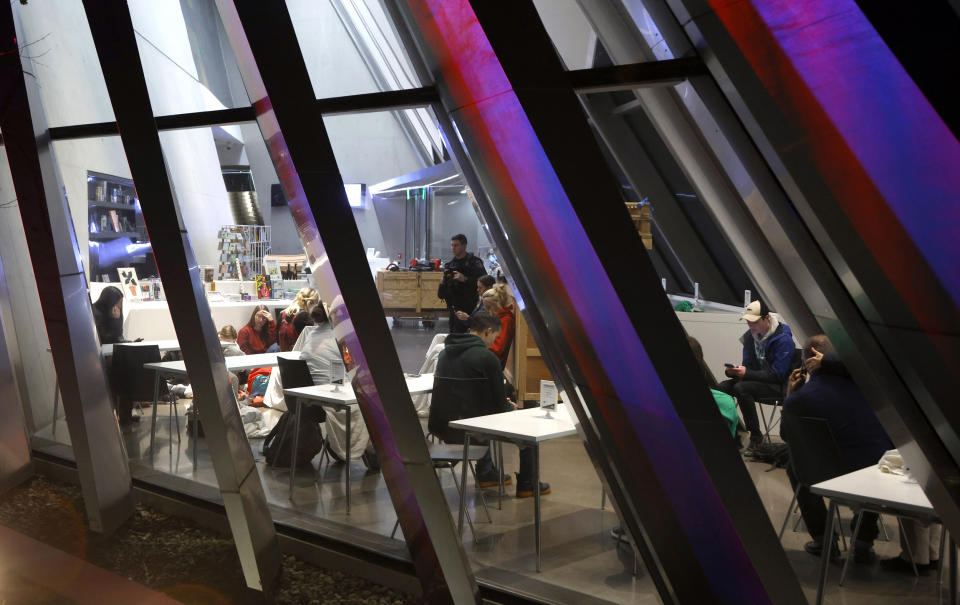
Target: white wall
571,33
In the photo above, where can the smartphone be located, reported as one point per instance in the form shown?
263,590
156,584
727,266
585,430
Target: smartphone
729,365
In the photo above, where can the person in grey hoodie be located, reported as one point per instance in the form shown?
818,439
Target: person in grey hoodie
468,356
768,354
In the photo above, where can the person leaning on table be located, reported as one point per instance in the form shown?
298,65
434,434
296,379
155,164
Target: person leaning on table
468,356
830,394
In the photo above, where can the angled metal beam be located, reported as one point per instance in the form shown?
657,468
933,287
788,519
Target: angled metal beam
233,463
94,433
668,72
630,374
276,78
637,165
388,100
881,275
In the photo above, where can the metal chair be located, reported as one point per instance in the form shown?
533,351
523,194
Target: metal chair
814,456
447,456
132,382
295,373
777,401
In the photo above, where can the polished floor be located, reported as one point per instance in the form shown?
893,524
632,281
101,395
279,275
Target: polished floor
581,563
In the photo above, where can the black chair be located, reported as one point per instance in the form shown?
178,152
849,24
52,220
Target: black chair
295,373
777,400
131,382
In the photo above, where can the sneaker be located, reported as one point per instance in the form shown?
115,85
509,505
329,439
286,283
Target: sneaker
901,565
815,548
525,490
490,479
370,459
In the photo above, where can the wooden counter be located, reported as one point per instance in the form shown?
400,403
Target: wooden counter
410,294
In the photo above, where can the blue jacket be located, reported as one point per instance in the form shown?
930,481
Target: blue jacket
831,395
776,352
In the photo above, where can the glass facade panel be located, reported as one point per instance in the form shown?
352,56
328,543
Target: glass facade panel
60,50
186,57
351,47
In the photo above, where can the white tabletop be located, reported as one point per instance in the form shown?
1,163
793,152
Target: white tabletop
344,393
871,486
234,362
163,345
530,424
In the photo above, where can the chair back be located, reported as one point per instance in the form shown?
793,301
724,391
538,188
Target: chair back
128,378
454,399
294,373
813,450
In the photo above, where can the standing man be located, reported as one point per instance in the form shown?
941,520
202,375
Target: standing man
767,358
459,286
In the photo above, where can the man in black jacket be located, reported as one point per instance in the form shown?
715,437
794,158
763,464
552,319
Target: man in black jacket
468,356
830,394
459,286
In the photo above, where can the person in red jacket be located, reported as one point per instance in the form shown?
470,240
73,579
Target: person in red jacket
498,301
260,333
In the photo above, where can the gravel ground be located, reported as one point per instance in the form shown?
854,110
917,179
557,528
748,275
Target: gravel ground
173,555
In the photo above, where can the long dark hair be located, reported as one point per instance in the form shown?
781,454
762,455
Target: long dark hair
264,332
698,353
109,297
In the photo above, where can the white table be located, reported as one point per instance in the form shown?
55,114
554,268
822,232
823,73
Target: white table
234,363
528,427
869,489
340,397
151,320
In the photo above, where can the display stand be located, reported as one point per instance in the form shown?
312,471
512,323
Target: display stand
242,247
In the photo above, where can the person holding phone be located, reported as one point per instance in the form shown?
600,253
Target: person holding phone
108,316
767,356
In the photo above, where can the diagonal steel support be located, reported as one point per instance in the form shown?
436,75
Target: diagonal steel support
277,82
619,351
233,462
94,433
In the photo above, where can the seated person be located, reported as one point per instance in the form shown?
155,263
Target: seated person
260,333
468,356
767,355
830,394
228,341
307,299
728,407
498,301
108,316
920,541
484,283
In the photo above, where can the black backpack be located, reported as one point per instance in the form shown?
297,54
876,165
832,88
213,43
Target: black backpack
276,447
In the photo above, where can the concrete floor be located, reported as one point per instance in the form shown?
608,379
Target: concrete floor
581,563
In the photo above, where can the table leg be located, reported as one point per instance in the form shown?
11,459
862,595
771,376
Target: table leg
953,571
826,552
347,479
500,478
153,418
536,499
293,451
463,470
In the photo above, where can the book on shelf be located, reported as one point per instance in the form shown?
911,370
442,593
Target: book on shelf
115,221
